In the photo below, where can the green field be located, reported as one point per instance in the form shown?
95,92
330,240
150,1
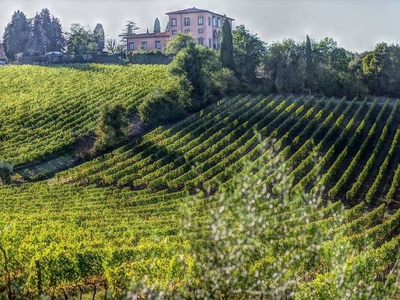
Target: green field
111,221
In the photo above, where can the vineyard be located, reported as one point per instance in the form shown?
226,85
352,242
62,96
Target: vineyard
43,109
107,224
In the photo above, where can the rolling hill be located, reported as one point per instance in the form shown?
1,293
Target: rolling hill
118,218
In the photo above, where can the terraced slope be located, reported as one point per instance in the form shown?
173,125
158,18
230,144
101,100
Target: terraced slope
42,107
108,220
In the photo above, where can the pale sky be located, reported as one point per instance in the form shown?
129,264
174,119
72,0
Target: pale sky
356,25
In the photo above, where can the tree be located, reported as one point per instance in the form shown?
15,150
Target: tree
188,63
200,67
160,107
6,169
80,40
157,26
248,51
309,67
38,41
46,34
226,50
283,66
112,127
128,30
57,41
99,38
179,42
166,27
113,46
16,35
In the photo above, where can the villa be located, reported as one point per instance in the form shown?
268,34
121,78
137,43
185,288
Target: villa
204,25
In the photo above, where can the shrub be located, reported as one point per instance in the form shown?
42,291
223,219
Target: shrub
6,169
160,107
112,127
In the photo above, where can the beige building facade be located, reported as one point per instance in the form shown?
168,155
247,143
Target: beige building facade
203,25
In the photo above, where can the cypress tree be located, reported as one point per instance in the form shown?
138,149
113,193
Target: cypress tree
226,50
99,37
157,26
16,34
309,68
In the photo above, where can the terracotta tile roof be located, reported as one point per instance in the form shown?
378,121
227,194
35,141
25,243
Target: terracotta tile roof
196,10
149,35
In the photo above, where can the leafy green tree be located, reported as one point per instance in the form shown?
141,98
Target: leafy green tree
284,65
99,37
179,42
226,49
381,68
160,107
157,26
113,126
339,60
6,170
200,67
188,63
80,40
16,35
248,50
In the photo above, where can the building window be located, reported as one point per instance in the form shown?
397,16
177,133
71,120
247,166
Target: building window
131,46
158,45
173,32
200,20
187,31
219,22
201,30
200,41
209,43
214,21
174,22
144,45
209,21
187,21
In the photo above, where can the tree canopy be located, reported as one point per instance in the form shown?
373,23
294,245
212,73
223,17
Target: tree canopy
34,36
80,40
99,37
248,50
226,49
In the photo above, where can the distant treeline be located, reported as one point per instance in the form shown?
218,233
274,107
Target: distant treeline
331,70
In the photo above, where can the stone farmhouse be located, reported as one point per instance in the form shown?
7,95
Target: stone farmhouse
204,25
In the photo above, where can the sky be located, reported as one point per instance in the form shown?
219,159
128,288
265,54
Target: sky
356,25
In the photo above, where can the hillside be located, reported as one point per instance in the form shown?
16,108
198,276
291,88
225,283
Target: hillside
119,217
42,109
